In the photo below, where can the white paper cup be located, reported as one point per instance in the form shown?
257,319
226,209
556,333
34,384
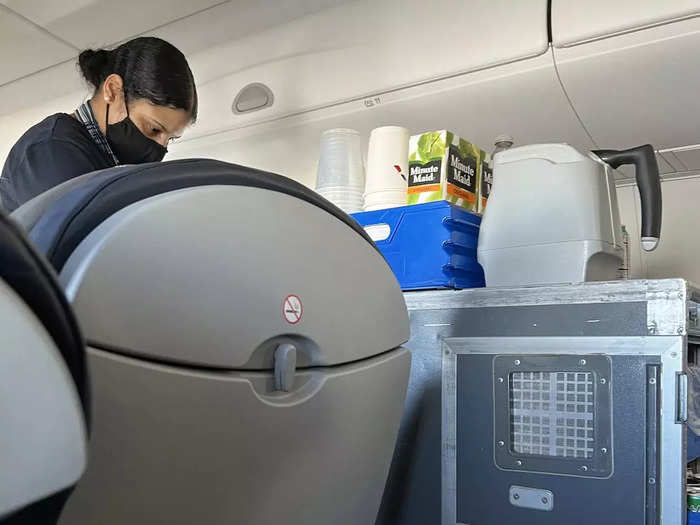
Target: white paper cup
381,207
388,148
389,196
384,199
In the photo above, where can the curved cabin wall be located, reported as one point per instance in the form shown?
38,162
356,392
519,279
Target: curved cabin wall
478,68
523,99
363,48
579,22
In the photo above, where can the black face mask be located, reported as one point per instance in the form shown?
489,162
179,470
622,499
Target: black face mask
130,145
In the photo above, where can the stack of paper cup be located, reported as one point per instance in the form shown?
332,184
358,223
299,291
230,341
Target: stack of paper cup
387,160
341,177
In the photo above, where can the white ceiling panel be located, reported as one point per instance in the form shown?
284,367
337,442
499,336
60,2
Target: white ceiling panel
690,157
25,48
673,161
46,85
96,23
290,146
627,172
664,165
194,35
574,22
637,88
234,20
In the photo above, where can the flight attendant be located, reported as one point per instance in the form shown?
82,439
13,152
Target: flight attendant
144,96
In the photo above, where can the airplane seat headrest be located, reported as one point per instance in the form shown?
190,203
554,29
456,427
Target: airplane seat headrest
43,383
58,220
27,273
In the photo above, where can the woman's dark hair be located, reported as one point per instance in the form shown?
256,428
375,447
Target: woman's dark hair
150,68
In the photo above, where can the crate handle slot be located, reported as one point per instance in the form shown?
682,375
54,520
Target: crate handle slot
458,249
459,225
378,232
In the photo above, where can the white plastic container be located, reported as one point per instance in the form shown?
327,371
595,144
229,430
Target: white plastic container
340,161
573,234
341,176
350,201
387,161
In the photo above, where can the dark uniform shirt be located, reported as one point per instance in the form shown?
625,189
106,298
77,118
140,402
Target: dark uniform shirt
53,151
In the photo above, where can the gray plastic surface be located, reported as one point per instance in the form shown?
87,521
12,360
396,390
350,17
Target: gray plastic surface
285,367
171,445
43,439
200,276
531,498
253,97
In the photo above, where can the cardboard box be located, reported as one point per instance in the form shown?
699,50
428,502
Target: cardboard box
442,166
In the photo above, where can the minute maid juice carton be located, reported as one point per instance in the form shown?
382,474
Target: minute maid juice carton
485,180
441,166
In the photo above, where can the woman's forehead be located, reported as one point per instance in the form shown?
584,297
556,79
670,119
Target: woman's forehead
173,120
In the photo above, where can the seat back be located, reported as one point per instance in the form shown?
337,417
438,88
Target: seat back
43,386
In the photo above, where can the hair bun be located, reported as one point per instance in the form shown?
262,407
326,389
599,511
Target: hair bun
94,65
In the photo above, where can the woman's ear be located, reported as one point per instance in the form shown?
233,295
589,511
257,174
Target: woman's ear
113,89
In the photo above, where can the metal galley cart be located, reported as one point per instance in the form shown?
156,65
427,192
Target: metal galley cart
560,404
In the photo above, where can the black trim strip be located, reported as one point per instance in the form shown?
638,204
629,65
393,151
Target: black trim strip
653,440
26,272
195,367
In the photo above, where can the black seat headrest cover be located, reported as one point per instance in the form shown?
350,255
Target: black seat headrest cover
76,213
28,215
26,272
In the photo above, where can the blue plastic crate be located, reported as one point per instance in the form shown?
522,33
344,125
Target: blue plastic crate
431,245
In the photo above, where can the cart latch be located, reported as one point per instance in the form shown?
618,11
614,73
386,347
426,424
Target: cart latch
681,398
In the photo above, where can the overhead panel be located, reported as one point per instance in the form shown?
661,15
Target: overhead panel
96,23
576,22
44,86
689,156
290,146
367,47
197,34
636,88
673,160
194,35
26,48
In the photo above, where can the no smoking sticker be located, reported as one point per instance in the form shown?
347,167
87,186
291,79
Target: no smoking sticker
292,309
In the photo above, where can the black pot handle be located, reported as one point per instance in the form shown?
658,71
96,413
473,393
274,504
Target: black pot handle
647,174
